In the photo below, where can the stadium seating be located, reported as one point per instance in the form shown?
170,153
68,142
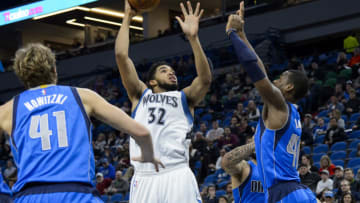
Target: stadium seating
355,169
319,139
339,146
354,144
317,157
338,163
353,162
317,164
116,198
220,193
104,198
322,148
353,154
127,197
210,179
338,155
354,117
222,184
307,150
323,113
355,134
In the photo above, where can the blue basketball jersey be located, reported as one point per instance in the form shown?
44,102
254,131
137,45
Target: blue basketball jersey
277,151
51,137
4,188
251,190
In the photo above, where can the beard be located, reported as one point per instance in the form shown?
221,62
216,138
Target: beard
168,87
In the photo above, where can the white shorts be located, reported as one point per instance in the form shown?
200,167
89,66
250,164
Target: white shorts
173,186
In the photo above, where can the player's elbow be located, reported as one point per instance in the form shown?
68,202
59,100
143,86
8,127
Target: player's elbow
121,55
142,132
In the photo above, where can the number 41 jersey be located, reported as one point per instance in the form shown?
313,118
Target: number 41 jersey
51,137
167,116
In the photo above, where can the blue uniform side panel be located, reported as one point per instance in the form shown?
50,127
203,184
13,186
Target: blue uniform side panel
60,197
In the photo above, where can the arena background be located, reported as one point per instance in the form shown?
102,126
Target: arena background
316,36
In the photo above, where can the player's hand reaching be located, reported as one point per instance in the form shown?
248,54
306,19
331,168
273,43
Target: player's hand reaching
149,159
236,21
190,25
128,10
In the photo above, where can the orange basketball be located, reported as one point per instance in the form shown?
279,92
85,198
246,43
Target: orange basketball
144,5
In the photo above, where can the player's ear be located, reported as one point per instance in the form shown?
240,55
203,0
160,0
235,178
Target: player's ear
153,83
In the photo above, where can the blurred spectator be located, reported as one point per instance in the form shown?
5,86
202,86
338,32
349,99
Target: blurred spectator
244,129
126,107
214,104
231,100
228,140
345,188
235,126
199,144
240,111
339,176
347,198
307,160
352,106
204,192
335,104
355,60
358,150
307,137
203,128
102,183
350,43
320,127
356,125
308,178
329,197
10,170
210,157
221,175
216,132
119,185
107,169
325,164
223,199
324,183
349,175
229,193
342,61
253,111
340,121
211,197
340,94
218,161
315,72
334,133
100,143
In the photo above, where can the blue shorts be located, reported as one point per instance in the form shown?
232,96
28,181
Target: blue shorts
58,193
5,198
290,192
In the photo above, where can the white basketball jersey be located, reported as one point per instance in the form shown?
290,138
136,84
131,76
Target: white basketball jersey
167,116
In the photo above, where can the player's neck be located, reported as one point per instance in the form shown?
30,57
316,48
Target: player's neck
159,90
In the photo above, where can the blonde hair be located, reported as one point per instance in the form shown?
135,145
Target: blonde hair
35,65
325,157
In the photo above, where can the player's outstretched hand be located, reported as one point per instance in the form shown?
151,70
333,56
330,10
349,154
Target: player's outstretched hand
190,24
152,160
236,21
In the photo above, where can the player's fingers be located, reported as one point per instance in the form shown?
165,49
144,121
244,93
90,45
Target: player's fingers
196,13
201,13
183,9
190,8
161,164
179,20
242,9
156,166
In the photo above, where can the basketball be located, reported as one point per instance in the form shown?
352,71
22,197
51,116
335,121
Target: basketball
144,5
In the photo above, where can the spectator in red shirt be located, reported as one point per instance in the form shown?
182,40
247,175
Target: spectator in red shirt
325,164
356,58
102,183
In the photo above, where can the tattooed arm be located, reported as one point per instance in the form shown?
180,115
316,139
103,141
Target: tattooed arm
234,161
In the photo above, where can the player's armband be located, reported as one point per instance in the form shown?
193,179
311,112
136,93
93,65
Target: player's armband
246,57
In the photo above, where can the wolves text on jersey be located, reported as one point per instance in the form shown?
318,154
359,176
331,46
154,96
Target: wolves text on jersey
159,98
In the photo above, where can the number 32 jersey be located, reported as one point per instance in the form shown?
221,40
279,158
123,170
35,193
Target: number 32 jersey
167,116
51,137
277,151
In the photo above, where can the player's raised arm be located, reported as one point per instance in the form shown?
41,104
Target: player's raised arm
234,161
252,64
190,26
6,114
99,108
133,85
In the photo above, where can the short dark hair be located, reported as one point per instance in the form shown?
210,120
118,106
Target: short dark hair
152,70
300,82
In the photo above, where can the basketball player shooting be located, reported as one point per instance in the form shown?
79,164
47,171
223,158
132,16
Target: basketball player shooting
277,137
167,113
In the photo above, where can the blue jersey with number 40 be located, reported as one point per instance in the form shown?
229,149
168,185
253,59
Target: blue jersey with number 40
51,137
277,151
